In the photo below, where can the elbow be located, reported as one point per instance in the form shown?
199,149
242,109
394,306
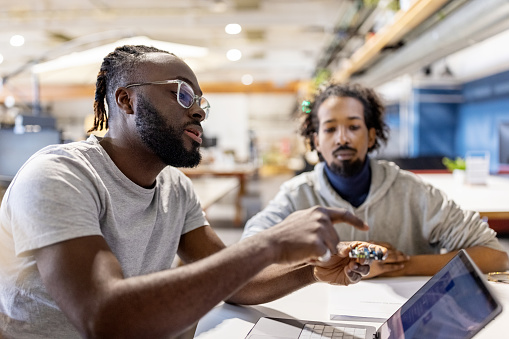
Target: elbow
106,322
241,300
100,325
504,262
106,328
123,321
248,296
233,302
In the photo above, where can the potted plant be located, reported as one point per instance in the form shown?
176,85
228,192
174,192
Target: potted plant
457,167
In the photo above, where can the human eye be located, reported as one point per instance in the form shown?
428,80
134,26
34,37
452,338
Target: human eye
186,95
355,127
177,95
329,129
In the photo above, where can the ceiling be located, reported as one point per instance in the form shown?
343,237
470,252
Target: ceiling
282,41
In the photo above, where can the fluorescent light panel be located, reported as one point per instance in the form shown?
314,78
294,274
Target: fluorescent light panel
97,54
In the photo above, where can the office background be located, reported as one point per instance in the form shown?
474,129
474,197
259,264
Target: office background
442,67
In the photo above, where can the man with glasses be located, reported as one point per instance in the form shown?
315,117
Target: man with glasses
89,230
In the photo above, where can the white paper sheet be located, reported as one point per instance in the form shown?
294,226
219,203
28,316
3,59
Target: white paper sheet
371,300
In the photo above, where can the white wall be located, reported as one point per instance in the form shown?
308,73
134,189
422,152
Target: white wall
231,118
267,114
71,115
228,122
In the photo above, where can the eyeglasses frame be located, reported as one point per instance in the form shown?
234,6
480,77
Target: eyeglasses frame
196,98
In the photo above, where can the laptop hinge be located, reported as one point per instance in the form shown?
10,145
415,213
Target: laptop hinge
376,335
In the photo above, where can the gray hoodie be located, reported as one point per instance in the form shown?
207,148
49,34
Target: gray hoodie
400,209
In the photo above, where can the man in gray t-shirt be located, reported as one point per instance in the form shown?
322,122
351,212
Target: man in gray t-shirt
89,230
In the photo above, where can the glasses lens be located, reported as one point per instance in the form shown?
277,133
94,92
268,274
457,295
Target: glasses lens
204,103
185,95
205,106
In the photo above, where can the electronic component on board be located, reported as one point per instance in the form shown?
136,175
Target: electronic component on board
366,253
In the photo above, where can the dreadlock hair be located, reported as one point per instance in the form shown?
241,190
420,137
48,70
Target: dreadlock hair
114,72
373,111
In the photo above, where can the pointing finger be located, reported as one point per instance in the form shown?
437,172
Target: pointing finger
342,215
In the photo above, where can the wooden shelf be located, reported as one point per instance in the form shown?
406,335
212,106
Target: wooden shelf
404,21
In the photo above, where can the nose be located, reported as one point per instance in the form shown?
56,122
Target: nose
342,137
196,112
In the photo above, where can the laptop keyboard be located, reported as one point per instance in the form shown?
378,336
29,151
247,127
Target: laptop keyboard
315,331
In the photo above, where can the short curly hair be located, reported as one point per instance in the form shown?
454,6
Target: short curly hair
374,111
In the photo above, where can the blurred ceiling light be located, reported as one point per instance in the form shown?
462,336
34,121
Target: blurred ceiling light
9,101
17,40
233,29
247,79
234,54
97,54
219,6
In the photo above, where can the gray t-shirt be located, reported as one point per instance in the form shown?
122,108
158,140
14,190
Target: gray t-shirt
75,190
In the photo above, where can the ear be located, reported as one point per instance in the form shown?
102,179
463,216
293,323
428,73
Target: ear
372,137
316,142
123,100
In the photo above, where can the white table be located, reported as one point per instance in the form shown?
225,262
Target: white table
311,303
490,200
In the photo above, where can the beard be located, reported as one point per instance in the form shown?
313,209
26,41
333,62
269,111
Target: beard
164,140
346,168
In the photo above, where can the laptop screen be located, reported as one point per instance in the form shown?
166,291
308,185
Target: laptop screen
455,303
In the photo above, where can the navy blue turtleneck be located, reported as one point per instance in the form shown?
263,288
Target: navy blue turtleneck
353,189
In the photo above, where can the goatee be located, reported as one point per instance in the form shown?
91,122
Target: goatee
347,168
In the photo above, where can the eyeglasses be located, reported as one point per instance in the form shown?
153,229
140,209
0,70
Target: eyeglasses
185,94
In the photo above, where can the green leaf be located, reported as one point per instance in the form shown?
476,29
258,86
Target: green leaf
458,163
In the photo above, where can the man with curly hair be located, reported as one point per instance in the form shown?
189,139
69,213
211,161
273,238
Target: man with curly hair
414,220
89,230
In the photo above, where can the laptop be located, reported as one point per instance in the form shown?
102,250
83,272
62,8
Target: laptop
455,303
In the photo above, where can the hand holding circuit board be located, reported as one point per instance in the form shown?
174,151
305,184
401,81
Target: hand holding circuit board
367,253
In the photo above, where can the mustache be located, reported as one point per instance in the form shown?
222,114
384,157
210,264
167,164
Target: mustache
344,148
196,123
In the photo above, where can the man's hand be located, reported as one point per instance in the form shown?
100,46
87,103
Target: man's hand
391,266
308,234
343,270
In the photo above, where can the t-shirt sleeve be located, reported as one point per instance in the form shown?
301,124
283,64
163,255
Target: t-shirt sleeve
195,216
52,199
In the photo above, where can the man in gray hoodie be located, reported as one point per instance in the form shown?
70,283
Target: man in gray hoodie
422,228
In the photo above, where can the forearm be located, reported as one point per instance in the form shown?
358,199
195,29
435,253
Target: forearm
161,304
272,283
487,259
85,278
169,302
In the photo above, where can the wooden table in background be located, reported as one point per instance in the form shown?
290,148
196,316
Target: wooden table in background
211,189
240,172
